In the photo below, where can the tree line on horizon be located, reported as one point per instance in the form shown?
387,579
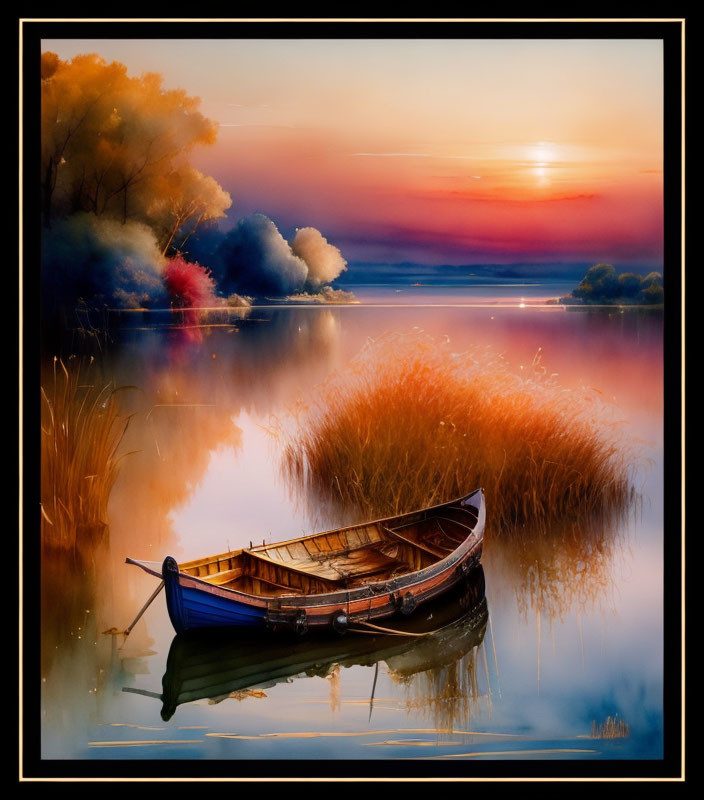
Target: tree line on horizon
603,285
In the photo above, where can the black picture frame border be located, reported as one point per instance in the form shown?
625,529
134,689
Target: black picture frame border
31,766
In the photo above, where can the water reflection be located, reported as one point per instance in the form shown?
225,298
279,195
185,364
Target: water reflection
194,424
568,567
190,394
87,673
183,395
254,362
216,667
440,676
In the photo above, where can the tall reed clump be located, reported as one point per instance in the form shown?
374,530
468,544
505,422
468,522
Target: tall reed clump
81,429
410,424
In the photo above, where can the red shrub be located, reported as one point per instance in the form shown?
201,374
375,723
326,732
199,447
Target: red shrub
189,285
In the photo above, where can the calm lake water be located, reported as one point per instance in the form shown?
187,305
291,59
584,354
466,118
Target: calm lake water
542,646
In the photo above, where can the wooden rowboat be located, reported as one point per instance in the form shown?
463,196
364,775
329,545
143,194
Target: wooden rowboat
329,580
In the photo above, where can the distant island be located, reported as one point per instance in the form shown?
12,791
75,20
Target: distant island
602,285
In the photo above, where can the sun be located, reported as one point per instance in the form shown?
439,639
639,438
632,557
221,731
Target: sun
543,152
541,157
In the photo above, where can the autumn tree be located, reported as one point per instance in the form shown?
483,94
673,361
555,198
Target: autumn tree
183,200
118,146
75,101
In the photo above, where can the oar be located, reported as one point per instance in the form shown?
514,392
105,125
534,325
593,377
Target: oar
143,692
126,632
371,699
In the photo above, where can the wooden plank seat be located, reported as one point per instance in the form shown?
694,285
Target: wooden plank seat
263,586
434,540
344,567
320,569
221,578
424,546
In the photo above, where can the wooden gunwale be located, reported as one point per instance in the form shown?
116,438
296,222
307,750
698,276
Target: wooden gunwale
454,508
358,525
202,562
344,596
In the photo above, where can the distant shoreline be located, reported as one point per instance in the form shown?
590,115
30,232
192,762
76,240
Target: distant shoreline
572,302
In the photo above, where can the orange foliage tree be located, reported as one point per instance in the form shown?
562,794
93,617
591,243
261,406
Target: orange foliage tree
118,146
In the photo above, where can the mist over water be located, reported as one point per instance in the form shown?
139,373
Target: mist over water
570,634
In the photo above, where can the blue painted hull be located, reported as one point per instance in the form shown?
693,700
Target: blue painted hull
191,609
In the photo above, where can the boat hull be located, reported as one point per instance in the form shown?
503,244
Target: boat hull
194,603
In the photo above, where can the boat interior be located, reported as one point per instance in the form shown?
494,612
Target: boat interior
340,559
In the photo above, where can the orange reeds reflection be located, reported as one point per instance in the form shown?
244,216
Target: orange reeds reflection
176,440
567,567
451,695
611,728
446,677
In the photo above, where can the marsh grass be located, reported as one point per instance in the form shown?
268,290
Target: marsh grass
411,424
80,329
81,430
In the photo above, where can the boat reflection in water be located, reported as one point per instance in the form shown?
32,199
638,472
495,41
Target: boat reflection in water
209,665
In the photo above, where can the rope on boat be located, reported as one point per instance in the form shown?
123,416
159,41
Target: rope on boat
375,633
390,631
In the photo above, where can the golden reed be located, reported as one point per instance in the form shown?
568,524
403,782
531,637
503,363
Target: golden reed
81,430
410,424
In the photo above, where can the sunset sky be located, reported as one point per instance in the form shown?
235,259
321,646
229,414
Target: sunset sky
432,151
